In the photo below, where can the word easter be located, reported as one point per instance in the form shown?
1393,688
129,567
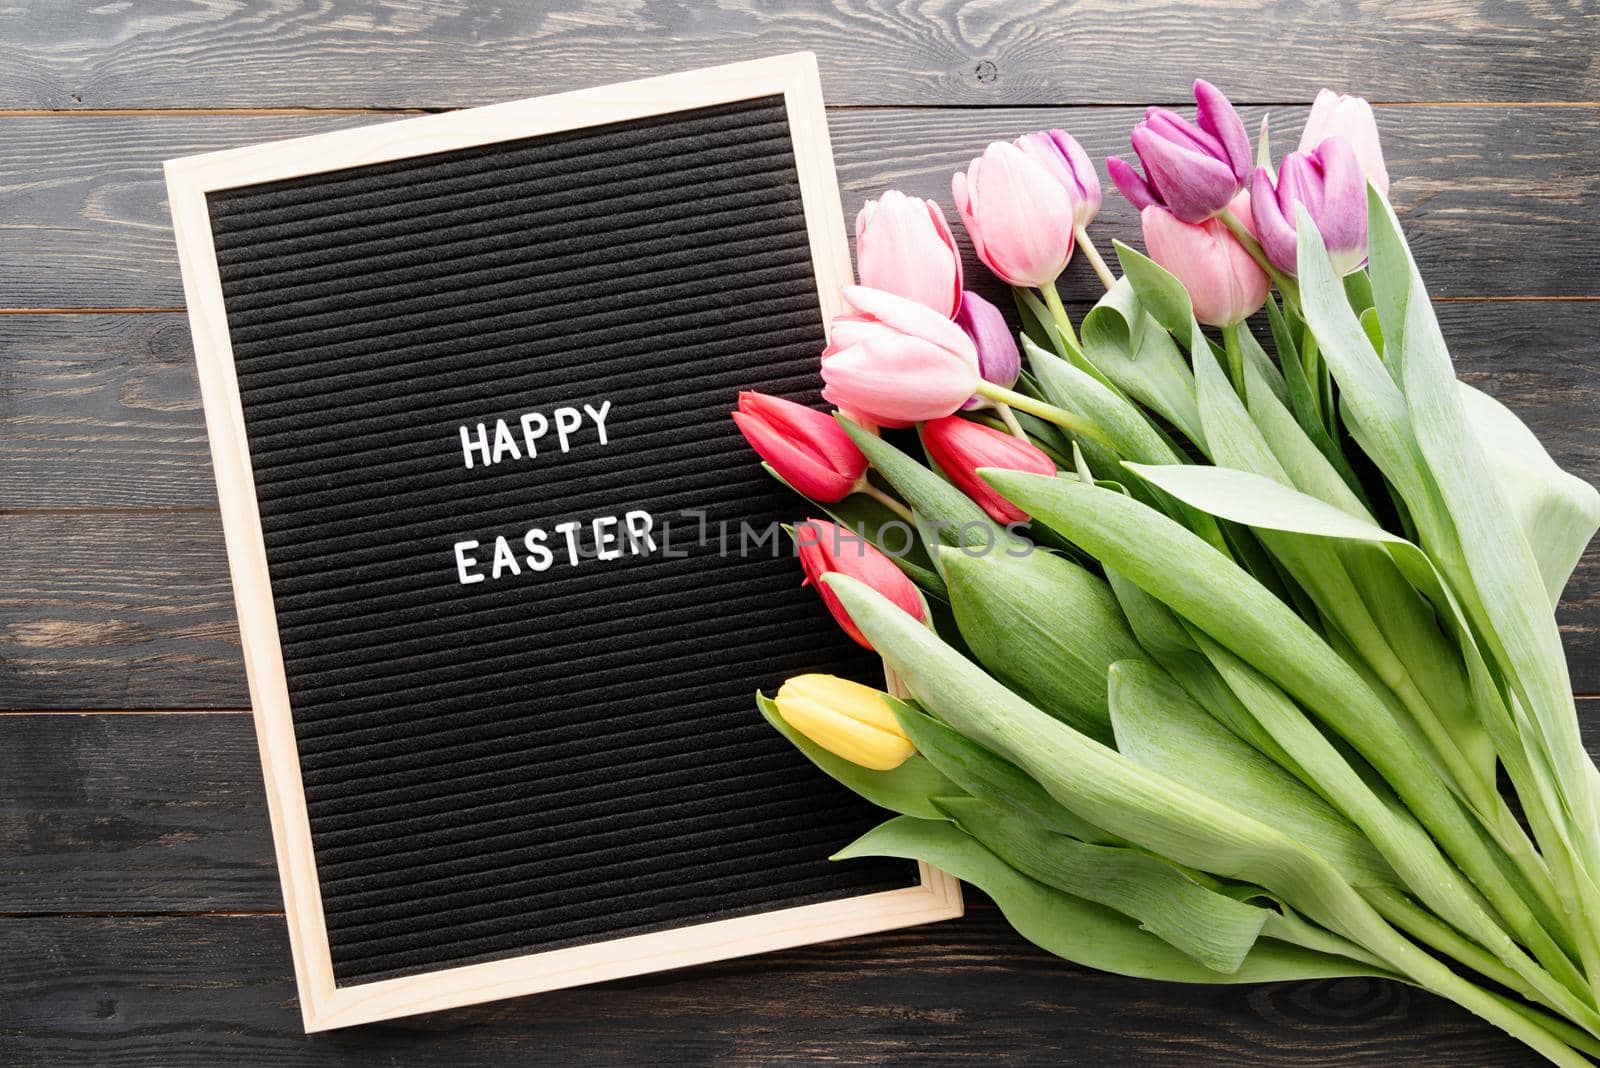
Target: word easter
608,535
502,443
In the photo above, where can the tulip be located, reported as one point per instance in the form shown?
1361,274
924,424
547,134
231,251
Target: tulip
998,359
1349,117
904,246
849,720
1060,154
808,449
1191,170
1018,215
1225,284
1328,183
896,362
961,447
825,547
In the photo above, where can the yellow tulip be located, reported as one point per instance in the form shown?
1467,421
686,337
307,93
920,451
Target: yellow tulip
847,719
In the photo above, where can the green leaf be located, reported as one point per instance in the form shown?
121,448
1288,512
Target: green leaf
952,517
1130,348
908,789
1215,929
1078,930
1162,295
1045,627
989,777
1160,726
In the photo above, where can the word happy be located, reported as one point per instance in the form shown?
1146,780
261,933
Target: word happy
487,447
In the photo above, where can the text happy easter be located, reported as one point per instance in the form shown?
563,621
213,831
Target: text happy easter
537,436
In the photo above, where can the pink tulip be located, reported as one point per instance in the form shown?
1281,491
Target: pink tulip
961,447
808,449
897,362
998,359
1191,169
1349,117
1328,183
1018,216
904,246
824,547
1224,283
1060,154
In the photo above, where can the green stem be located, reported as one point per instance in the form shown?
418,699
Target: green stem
1428,929
1233,346
1077,424
1286,285
1009,418
1058,312
884,499
1092,254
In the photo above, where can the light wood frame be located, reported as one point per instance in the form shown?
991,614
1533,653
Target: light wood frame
323,1004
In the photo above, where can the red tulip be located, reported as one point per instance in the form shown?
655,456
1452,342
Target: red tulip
960,447
825,547
808,449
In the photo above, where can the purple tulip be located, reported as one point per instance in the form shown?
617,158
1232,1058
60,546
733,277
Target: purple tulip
1061,155
1191,170
998,359
1329,183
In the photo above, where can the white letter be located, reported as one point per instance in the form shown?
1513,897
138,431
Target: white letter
504,442
463,561
569,529
603,540
539,554
530,435
639,524
482,445
599,419
503,558
564,427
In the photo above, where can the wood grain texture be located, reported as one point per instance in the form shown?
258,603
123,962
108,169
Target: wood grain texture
206,990
1500,195
431,53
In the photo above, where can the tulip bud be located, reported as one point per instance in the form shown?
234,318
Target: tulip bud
1018,216
825,547
1328,183
904,246
1060,154
808,449
961,447
895,361
1191,170
1349,117
1225,284
998,359
849,720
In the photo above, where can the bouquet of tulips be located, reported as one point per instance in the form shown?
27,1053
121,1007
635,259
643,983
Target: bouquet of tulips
1214,654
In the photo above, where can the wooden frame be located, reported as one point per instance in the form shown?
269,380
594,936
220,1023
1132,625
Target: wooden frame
323,1004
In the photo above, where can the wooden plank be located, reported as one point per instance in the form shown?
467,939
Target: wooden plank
461,52
130,610
1494,198
201,991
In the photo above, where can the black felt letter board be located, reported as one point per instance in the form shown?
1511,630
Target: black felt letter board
547,758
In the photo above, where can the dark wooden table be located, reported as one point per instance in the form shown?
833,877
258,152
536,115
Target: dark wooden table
138,902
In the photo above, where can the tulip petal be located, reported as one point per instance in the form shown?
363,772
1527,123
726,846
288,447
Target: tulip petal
911,318
1130,183
1216,115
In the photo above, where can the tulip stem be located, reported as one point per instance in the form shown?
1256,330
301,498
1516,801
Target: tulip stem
1048,412
1233,346
884,499
1058,312
1241,233
1092,254
1009,418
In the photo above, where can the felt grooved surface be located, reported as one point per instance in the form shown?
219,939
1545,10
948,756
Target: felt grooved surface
543,759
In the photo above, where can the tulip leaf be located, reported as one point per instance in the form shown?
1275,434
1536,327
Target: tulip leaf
991,778
1045,627
1215,929
1161,727
1079,930
1129,347
949,515
908,789
1162,295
